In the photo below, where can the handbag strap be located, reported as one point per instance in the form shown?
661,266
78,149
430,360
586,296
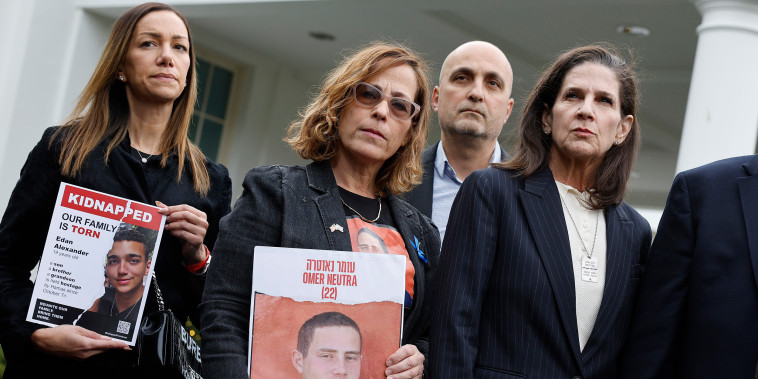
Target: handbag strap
158,294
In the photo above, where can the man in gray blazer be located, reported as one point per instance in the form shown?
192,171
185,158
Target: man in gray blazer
473,102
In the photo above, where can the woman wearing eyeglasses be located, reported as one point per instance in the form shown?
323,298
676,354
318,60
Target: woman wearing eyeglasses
364,132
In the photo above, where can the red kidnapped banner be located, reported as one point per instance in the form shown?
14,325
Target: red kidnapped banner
114,208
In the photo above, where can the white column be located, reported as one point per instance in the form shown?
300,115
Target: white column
721,119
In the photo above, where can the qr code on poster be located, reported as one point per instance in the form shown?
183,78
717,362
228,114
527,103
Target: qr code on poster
123,327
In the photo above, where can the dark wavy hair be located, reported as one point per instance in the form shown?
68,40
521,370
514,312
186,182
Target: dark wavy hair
135,234
533,146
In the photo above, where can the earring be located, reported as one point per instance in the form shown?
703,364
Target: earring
546,131
618,142
121,78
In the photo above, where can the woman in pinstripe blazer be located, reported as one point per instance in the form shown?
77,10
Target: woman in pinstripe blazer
539,269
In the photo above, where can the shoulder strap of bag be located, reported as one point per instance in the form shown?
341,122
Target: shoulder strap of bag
158,294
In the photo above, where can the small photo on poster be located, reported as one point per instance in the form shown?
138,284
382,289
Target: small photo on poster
293,338
319,313
97,263
126,274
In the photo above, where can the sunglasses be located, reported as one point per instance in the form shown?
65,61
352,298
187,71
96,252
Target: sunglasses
370,96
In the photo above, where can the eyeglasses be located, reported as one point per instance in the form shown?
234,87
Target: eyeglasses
370,96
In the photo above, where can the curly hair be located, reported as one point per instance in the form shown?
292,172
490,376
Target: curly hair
135,233
315,135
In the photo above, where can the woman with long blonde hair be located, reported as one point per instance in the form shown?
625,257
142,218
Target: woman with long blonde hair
127,137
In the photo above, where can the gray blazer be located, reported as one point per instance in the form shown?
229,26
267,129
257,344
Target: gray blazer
293,206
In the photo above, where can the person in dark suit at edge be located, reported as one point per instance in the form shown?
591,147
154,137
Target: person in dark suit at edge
697,311
539,269
473,102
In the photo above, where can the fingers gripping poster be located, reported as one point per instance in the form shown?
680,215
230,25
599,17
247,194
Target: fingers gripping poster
317,312
96,266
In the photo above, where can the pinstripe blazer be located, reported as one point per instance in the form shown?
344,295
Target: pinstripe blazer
504,302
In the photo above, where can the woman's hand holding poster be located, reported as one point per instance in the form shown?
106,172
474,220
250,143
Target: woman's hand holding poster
96,266
324,311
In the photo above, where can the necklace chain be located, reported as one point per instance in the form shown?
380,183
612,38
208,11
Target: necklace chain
128,313
594,239
144,159
360,215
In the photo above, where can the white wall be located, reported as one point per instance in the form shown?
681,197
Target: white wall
37,42
271,99
55,48
266,98
86,45
15,16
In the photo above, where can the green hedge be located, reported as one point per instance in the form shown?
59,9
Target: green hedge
2,362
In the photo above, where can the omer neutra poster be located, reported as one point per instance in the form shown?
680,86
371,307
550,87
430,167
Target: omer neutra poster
96,266
318,312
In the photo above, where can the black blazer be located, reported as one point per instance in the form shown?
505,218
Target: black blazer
293,206
24,229
697,313
505,303
421,195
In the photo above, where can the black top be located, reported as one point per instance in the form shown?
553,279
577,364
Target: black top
107,320
367,211
25,223
366,207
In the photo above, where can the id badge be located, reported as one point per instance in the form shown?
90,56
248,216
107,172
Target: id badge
589,269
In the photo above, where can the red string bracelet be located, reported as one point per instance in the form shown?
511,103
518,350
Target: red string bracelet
193,268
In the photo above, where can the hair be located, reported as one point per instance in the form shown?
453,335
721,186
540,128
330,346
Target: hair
315,135
102,110
373,234
533,146
134,233
322,320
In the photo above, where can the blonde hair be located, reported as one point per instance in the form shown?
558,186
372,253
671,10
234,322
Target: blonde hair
315,135
102,111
